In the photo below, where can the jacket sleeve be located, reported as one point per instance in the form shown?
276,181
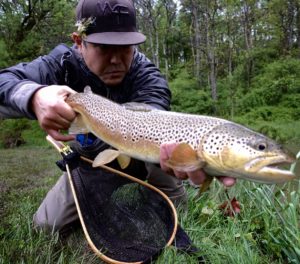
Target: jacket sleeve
19,83
149,85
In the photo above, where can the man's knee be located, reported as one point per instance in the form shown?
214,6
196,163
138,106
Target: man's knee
58,209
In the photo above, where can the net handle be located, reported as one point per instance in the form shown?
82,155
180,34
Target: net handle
64,150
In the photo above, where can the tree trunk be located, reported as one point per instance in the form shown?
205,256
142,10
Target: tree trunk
197,44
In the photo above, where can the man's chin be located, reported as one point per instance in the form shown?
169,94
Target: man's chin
113,80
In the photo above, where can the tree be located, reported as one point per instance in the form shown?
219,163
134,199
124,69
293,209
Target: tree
26,26
285,18
148,16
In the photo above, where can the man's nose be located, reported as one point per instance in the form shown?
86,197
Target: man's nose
115,55
115,58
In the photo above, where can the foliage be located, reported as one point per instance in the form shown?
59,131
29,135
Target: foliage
282,131
280,221
20,198
187,98
3,55
276,86
270,113
30,28
11,132
16,132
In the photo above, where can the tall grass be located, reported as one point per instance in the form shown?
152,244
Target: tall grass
266,230
26,175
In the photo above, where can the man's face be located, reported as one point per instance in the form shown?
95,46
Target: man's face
109,62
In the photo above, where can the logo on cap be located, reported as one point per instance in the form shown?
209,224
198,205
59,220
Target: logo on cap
118,10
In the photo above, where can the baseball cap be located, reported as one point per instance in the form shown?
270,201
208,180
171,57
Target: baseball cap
111,22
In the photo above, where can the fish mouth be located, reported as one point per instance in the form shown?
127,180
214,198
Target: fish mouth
277,168
274,170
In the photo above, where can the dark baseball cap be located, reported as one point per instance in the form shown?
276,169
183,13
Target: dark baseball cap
111,22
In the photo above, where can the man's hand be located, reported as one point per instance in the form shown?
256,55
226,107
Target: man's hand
197,177
52,112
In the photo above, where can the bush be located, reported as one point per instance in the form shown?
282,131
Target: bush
187,97
3,55
278,83
271,113
16,132
11,132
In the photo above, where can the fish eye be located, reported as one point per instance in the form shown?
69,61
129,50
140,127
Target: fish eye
258,144
262,146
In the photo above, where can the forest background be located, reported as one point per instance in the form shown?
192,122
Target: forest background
234,59
239,60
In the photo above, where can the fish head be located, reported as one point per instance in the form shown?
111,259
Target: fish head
234,150
82,103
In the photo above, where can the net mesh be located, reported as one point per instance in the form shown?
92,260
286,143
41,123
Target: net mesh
126,221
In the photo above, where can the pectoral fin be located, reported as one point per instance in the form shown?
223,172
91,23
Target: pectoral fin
109,155
185,158
105,157
78,126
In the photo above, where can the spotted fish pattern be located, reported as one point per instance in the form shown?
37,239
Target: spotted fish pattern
226,148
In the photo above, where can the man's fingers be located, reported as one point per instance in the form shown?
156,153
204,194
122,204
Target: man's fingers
181,175
166,150
59,136
55,121
227,181
66,91
66,113
197,177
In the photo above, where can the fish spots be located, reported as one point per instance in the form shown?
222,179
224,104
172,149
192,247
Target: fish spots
233,142
154,126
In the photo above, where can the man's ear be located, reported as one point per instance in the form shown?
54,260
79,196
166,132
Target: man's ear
77,39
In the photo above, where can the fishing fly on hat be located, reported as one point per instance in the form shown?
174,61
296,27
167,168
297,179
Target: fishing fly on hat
111,22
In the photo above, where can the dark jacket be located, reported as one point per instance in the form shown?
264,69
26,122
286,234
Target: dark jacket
64,66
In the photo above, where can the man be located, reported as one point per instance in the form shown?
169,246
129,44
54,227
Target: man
105,58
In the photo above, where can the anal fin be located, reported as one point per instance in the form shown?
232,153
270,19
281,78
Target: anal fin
123,161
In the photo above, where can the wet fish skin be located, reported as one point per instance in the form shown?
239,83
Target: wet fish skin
219,146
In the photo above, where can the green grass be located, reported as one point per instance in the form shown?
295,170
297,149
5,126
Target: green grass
26,175
266,230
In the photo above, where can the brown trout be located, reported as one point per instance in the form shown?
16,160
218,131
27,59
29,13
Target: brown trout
218,146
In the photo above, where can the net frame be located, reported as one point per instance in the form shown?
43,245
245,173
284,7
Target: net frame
66,150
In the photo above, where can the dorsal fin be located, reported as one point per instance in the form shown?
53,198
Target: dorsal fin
140,107
88,89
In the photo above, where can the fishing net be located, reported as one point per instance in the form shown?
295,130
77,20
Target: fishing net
124,219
